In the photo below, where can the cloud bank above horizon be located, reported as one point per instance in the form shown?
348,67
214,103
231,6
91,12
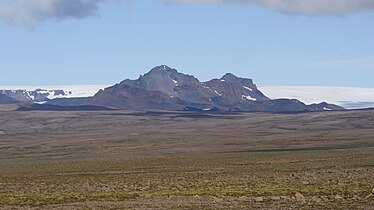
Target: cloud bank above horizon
26,13
302,7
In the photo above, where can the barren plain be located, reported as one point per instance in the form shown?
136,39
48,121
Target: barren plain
184,160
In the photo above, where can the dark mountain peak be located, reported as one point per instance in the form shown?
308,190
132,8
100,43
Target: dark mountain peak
229,77
162,69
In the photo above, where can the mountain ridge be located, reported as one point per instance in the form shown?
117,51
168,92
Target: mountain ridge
167,89
164,88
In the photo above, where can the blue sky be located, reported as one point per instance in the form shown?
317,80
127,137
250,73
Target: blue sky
119,41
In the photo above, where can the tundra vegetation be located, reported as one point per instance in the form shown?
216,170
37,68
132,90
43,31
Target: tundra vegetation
179,160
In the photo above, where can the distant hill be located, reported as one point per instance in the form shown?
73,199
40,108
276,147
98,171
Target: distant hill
7,100
49,107
347,97
38,95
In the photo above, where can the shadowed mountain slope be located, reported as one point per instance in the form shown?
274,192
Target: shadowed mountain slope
165,88
7,100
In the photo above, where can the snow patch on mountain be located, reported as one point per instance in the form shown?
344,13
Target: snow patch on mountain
219,94
327,109
249,98
250,89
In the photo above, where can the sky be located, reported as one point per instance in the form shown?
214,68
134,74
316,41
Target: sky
274,42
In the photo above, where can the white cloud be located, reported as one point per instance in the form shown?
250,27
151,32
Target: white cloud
30,12
305,7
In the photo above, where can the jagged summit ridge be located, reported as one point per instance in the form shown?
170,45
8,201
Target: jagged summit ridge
166,88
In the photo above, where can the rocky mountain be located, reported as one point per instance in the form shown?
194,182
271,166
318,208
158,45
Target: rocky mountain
35,96
165,88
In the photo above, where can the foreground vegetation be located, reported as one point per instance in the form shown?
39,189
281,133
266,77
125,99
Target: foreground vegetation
185,160
311,179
